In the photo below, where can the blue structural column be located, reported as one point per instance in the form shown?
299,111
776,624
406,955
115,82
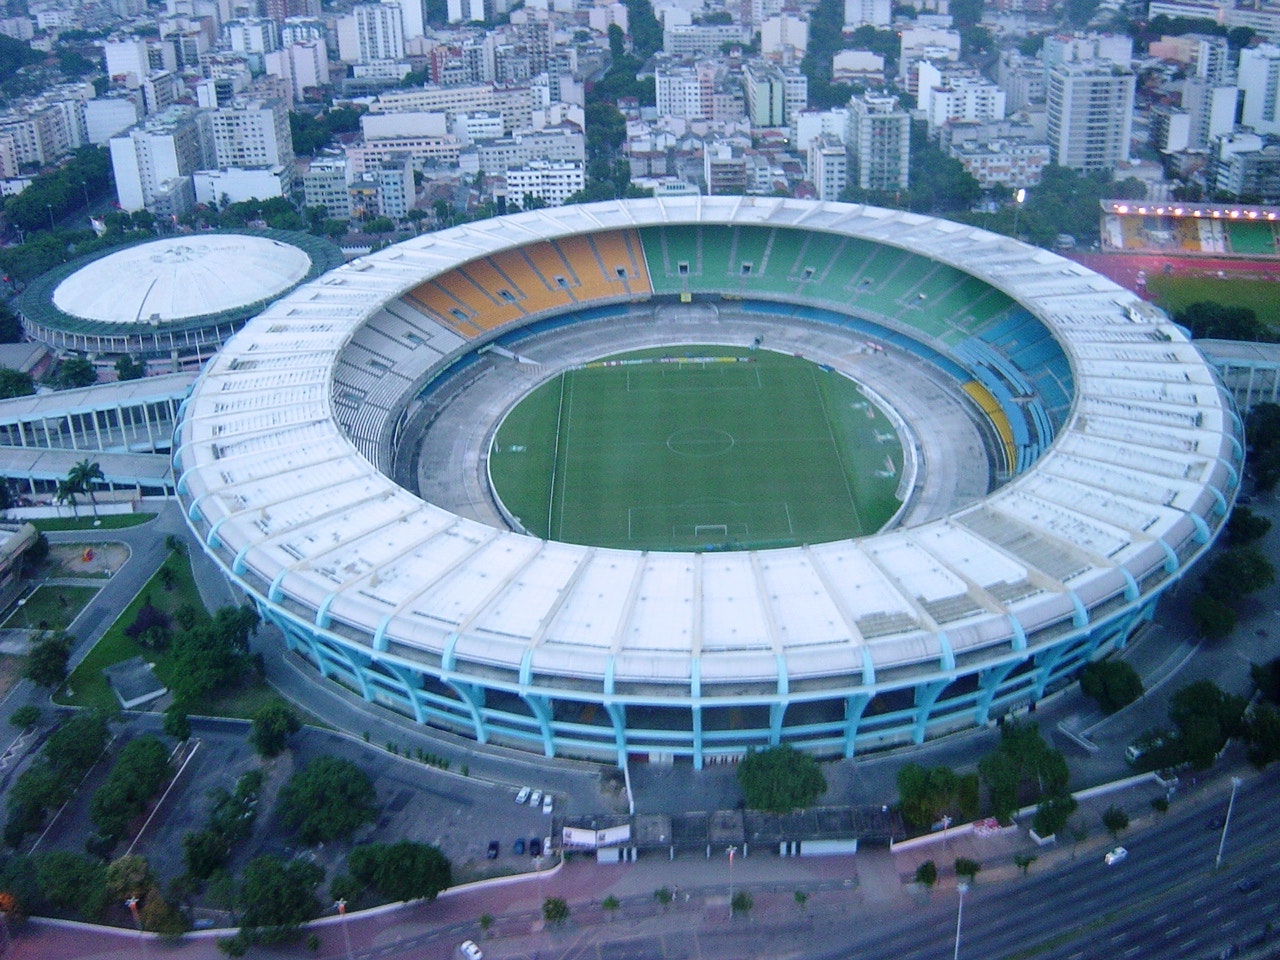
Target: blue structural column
411,683
618,716
989,681
778,709
854,706
695,688
926,697
353,663
473,697
540,707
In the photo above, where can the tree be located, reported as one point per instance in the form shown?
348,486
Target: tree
82,475
66,493
1262,733
780,779
27,715
1112,683
1115,820
278,896
1213,618
927,873
15,383
1244,526
741,903
127,368
140,769
967,868
10,325
75,372
204,852
1052,814
923,794
46,663
555,911
610,905
327,800
403,870
176,722
1024,861
273,724
1205,717
71,881
1236,572
663,895
801,898
485,921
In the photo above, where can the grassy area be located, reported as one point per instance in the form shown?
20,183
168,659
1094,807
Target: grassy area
1174,293
49,608
115,521
698,448
87,687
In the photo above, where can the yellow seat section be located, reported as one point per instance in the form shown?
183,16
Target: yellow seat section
987,402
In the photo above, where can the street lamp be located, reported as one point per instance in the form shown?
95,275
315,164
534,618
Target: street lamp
85,187
1235,785
961,889
49,207
732,851
342,914
1018,199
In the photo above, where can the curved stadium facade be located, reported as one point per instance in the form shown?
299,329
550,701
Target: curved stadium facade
1118,456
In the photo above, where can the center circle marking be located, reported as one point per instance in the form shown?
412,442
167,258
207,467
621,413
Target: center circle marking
700,442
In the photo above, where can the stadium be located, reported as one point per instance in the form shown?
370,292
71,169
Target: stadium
173,301
1066,455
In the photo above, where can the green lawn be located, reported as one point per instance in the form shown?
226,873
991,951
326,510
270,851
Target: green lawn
115,521
1173,293
731,449
87,687
49,608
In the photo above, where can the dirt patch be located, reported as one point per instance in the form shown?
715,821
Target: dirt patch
10,673
97,560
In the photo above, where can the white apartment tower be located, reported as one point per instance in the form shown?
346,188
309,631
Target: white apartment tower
463,11
372,32
873,13
880,141
828,167
1090,114
1259,79
148,159
249,133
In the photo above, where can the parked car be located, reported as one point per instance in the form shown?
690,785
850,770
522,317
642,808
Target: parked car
493,850
1215,823
1115,855
536,798
1246,884
469,950
548,804
535,846
523,795
519,846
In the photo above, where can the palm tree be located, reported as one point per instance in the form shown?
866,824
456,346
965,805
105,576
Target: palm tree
82,477
66,493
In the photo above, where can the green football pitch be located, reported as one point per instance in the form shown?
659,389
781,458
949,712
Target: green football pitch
701,448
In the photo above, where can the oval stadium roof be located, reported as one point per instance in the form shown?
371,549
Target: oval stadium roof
180,277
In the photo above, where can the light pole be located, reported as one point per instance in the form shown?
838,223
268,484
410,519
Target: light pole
732,851
946,823
132,904
49,207
961,889
1018,199
1235,785
84,185
342,914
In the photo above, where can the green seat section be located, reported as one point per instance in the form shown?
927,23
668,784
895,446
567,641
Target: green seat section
1252,237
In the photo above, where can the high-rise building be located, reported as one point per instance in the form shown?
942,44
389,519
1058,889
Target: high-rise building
1212,109
249,133
413,18
1246,165
1090,114
774,94
303,65
550,181
372,32
148,160
679,90
949,93
1260,83
325,185
828,167
252,35
880,141
868,13
463,11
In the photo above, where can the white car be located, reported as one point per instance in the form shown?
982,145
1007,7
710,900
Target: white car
469,950
548,804
536,798
1115,856
523,795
